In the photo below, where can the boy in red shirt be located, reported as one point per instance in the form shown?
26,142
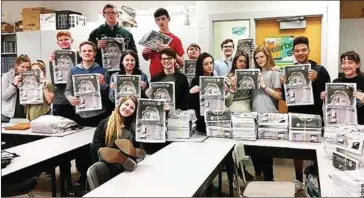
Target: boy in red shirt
162,19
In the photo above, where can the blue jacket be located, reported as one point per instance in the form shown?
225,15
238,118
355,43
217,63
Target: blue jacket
94,69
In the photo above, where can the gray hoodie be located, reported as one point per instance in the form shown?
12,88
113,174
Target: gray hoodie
8,94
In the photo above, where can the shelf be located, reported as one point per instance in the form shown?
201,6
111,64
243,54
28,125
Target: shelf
9,53
12,33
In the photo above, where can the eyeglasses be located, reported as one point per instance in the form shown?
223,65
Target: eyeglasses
228,46
169,58
110,13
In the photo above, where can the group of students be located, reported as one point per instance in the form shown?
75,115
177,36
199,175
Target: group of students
114,138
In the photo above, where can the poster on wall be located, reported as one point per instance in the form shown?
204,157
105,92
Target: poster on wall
281,47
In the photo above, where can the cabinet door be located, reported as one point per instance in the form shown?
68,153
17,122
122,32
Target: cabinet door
29,43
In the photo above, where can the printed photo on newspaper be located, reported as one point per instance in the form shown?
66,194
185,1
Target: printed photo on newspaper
340,104
153,38
86,87
126,86
298,87
247,79
190,68
305,121
246,45
151,121
111,54
343,162
212,96
62,64
31,89
164,91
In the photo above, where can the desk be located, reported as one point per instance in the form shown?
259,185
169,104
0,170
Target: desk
37,156
276,148
325,168
30,132
178,170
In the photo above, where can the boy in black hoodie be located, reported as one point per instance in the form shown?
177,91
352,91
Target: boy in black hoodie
170,74
319,77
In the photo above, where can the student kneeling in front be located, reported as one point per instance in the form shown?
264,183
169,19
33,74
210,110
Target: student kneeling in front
114,139
170,74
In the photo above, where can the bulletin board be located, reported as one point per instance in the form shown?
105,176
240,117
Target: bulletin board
270,28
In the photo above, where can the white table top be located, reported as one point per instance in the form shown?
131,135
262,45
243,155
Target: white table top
196,137
272,143
37,151
325,169
30,132
177,170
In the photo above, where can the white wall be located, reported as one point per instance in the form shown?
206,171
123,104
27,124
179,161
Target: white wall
204,10
87,8
351,36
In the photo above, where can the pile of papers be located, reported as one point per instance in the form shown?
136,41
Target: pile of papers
244,126
273,126
305,127
348,183
333,135
180,124
218,123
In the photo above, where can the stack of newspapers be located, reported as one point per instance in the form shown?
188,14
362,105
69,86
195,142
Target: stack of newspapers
218,123
348,153
273,126
180,124
348,183
305,127
335,134
245,125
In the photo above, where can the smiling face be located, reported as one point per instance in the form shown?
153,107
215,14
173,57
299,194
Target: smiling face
301,53
127,108
349,67
87,52
113,50
168,62
241,62
64,42
228,49
162,94
340,98
261,59
129,62
128,89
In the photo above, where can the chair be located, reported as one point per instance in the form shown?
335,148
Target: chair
97,174
20,188
261,188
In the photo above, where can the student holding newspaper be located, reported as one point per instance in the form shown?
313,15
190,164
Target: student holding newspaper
350,64
129,66
265,100
114,139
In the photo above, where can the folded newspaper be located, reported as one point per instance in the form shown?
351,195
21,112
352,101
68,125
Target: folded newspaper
153,38
244,125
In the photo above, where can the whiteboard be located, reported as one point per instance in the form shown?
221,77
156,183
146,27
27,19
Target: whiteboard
351,38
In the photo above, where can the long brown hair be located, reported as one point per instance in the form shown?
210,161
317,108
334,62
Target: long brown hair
268,54
117,123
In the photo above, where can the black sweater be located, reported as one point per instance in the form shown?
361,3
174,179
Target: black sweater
194,103
98,140
318,86
181,88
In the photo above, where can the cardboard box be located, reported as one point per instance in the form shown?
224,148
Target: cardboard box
31,17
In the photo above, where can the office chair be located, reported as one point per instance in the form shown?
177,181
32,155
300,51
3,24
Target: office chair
254,188
97,174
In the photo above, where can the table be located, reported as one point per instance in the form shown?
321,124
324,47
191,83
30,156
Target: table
37,156
31,133
325,169
181,169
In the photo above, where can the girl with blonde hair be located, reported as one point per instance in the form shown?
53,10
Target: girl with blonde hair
114,139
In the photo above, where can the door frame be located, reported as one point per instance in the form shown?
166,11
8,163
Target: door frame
262,15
